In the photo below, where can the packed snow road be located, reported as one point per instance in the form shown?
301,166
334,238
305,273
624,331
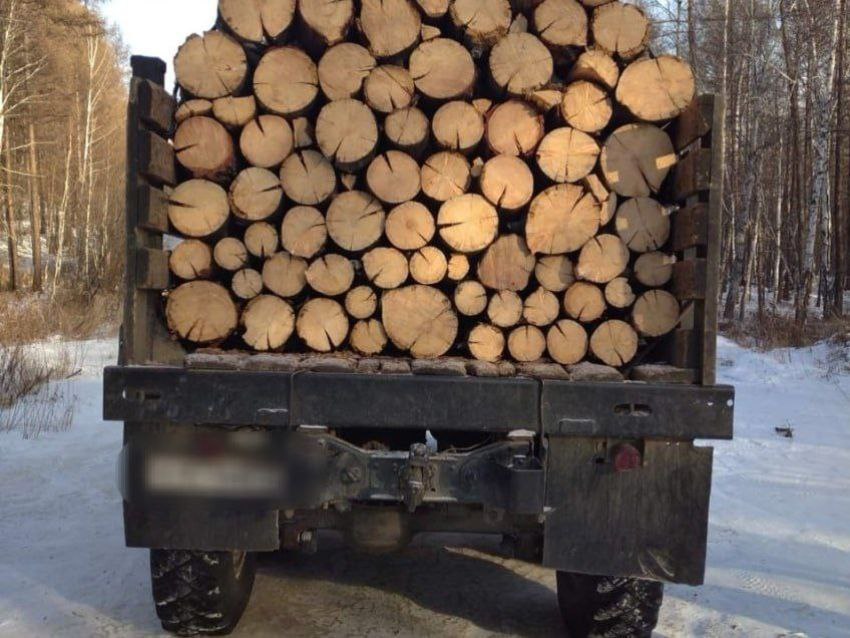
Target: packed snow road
779,554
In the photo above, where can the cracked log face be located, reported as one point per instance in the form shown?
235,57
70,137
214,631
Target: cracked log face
322,324
205,149
211,66
419,319
308,178
636,159
258,21
201,312
286,81
267,322
381,168
347,134
198,208
658,89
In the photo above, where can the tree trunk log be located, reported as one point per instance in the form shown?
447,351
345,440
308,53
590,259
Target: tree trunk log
322,325
201,312
419,319
268,323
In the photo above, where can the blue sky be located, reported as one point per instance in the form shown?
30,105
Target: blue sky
158,27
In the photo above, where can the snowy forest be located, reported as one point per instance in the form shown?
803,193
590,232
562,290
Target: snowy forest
781,65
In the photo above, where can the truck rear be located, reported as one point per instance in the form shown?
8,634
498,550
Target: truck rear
595,474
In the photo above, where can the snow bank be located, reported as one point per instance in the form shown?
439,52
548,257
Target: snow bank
779,555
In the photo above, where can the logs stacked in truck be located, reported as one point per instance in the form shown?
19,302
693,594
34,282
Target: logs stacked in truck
470,177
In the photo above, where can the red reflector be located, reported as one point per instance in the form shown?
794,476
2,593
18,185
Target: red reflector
626,457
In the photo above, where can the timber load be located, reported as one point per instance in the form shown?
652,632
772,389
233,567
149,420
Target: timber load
471,178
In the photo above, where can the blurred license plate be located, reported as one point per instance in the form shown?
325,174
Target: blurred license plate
222,477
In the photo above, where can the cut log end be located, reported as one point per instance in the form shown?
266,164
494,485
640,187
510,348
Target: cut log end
322,325
614,343
486,343
361,302
201,312
656,313
584,302
527,344
505,309
368,337
191,260
419,319
268,322
567,342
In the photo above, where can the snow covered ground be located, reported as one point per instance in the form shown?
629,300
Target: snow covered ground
779,556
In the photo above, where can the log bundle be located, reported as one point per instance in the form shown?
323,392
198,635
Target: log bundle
480,178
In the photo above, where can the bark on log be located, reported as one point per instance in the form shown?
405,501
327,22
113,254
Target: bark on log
343,69
255,194
303,232
458,126
308,178
584,302
211,66
621,29
247,284
201,312
205,148
519,63
266,141
391,27
388,88
355,220
507,264
446,175
468,224
567,155
586,107
258,22
658,89
541,308
326,21
614,343
636,159
268,322
230,254
482,22
567,342
561,220
514,128
347,134
527,344
602,259
486,343
410,226
507,182
419,319
555,272
261,240
361,302
322,325
285,275
428,266
331,275
386,268
286,81
191,259
470,298
505,309
198,208
643,224
442,69
394,177
368,337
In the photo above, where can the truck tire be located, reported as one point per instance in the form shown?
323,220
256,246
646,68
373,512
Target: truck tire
605,607
201,593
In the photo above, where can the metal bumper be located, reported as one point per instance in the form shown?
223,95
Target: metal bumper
557,480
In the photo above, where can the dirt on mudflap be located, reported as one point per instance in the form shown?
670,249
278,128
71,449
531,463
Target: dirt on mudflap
441,585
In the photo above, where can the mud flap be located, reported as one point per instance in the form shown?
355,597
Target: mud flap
650,522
